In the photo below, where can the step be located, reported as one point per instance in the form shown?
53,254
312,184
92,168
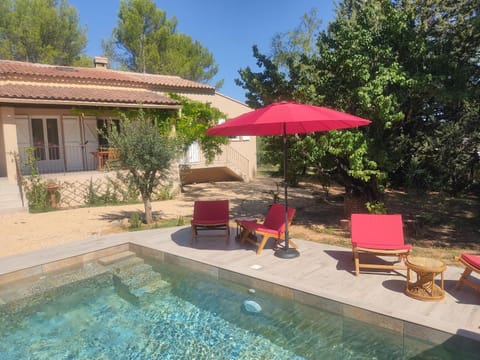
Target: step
108,260
10,200
140,295
134,283
134,274
150,287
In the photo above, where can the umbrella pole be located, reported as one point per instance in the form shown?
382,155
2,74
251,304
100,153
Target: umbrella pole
286,252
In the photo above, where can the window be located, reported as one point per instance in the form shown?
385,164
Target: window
45,138
103,127
234,138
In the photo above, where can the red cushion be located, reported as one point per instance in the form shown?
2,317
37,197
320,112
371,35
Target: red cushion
473,260
274,221
210,212
254,226
383,232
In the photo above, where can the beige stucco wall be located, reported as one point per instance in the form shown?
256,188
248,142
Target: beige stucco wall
233,108
8,143
3,158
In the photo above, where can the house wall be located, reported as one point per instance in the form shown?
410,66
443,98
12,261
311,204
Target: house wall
8,143
11,115
3,158
247,146
73,158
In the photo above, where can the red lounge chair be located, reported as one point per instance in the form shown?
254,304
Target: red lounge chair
210,215
471,263
378,235
273,226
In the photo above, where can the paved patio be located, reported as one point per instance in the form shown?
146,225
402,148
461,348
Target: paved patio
322,270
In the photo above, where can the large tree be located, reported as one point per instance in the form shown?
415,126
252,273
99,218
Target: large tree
145,40
412,67
43,31
441,111
341,156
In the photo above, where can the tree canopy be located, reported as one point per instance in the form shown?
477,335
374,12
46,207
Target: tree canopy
145,40
145,152
412,67
43,31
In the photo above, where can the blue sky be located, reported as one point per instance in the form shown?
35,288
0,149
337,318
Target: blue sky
227,28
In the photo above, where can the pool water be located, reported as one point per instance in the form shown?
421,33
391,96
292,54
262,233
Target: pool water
135,310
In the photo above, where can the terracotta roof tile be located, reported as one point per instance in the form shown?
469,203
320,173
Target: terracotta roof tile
13,69
11,91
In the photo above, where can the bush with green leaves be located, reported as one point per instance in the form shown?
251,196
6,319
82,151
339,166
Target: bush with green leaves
135,220
35,188
376,207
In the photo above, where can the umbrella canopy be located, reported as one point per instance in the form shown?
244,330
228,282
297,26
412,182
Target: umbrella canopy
287,118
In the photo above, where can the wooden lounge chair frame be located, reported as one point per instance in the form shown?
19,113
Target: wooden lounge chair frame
384,238
272,227
210,215
469,268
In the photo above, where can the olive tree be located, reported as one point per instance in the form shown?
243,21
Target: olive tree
146,152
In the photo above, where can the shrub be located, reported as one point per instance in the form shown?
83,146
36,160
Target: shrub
36,190
376,207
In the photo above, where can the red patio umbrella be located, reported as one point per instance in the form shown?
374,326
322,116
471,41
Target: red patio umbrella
287,118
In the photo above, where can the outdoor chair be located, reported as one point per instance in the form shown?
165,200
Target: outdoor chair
272,227
112,160
471,263
210,216
378,235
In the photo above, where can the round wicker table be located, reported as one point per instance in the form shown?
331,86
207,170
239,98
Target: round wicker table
426,269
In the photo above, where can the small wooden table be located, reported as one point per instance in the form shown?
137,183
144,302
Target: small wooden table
426,269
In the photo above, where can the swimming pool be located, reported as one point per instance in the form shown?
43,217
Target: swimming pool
136,309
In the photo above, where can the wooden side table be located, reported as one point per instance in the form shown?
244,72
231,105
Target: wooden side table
426,269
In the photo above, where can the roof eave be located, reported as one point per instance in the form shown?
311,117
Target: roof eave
16,101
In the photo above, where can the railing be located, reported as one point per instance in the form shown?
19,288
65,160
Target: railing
229,157
68,158
72,158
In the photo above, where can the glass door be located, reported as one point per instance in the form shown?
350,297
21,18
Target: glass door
46,142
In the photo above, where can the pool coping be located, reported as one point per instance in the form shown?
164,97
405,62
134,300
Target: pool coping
173,245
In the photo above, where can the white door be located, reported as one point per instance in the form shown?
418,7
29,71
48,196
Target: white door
73,143
90,141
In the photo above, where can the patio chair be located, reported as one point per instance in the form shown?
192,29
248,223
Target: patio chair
210,216
471,263
272,227
378,235
112,161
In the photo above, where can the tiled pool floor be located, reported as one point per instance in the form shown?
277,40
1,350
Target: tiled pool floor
322,270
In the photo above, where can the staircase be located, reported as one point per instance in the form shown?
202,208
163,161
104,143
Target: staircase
227,166
10,199
133,280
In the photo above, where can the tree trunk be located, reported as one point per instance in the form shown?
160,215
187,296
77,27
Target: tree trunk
354,203
148,210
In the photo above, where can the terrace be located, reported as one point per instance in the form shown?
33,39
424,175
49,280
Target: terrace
323,276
